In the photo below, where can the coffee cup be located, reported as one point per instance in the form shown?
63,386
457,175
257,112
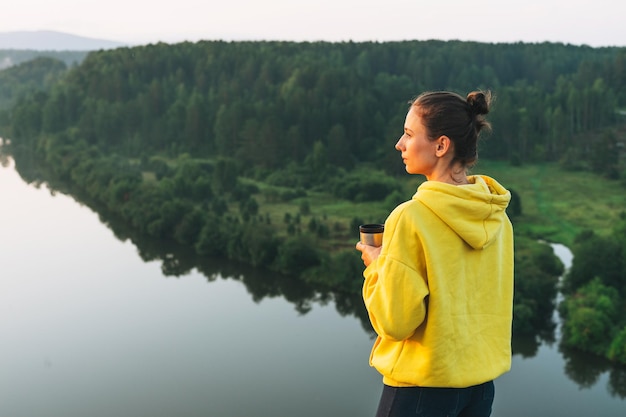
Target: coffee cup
372,234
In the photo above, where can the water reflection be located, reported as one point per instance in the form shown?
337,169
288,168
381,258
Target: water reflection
527,345
585,370
177,261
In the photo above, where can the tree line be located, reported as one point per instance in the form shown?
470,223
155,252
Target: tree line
269,103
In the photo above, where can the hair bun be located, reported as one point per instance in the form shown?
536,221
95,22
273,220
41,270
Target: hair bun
479,102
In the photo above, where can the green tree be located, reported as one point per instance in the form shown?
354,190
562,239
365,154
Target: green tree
212,236
225,175
262,244
596,256
297,254
604,155
536,275
617,348
590,317
189,227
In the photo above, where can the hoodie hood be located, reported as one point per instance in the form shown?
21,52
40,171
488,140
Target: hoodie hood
475,211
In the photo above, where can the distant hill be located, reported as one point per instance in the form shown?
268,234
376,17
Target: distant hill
46,40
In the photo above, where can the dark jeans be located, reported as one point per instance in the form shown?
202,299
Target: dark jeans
473,401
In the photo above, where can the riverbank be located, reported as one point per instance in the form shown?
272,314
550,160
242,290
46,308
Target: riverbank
299,239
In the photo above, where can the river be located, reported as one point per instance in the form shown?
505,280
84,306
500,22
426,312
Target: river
93,325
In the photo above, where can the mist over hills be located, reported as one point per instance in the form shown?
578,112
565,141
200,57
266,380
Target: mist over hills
47,40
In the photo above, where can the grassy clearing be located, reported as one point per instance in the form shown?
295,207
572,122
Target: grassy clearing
336,214
556,205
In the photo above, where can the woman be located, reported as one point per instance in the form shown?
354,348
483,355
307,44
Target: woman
439,291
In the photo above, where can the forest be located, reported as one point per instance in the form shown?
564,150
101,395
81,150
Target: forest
271,153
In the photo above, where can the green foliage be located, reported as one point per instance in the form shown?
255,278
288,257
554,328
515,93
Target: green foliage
590,317
322,231
617,349
524,317
293,176
192,179
394,199
343,272
297,254
355,222
38,74
189,227
248,208
515,205
160,167
304,207
597,256
596,284
536,274
262,244
243,191
364,185
212,237
225,175
587,329
604,154
169,214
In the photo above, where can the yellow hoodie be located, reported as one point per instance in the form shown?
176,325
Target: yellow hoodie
440,295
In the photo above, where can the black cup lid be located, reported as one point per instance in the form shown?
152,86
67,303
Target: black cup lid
372,228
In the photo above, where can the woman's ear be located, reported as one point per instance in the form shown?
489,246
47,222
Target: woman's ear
442,146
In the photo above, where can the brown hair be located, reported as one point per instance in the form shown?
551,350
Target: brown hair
461,120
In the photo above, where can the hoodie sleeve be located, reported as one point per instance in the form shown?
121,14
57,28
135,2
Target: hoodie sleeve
395,284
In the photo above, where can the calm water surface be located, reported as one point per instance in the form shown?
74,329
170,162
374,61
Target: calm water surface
91,327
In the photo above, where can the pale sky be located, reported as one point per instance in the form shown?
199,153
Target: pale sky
594,23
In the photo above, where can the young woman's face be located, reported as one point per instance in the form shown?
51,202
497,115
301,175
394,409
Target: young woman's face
418,153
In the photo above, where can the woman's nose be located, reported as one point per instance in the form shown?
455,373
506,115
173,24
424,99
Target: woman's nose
399,145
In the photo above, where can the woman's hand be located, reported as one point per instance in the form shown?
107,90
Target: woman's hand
368,253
